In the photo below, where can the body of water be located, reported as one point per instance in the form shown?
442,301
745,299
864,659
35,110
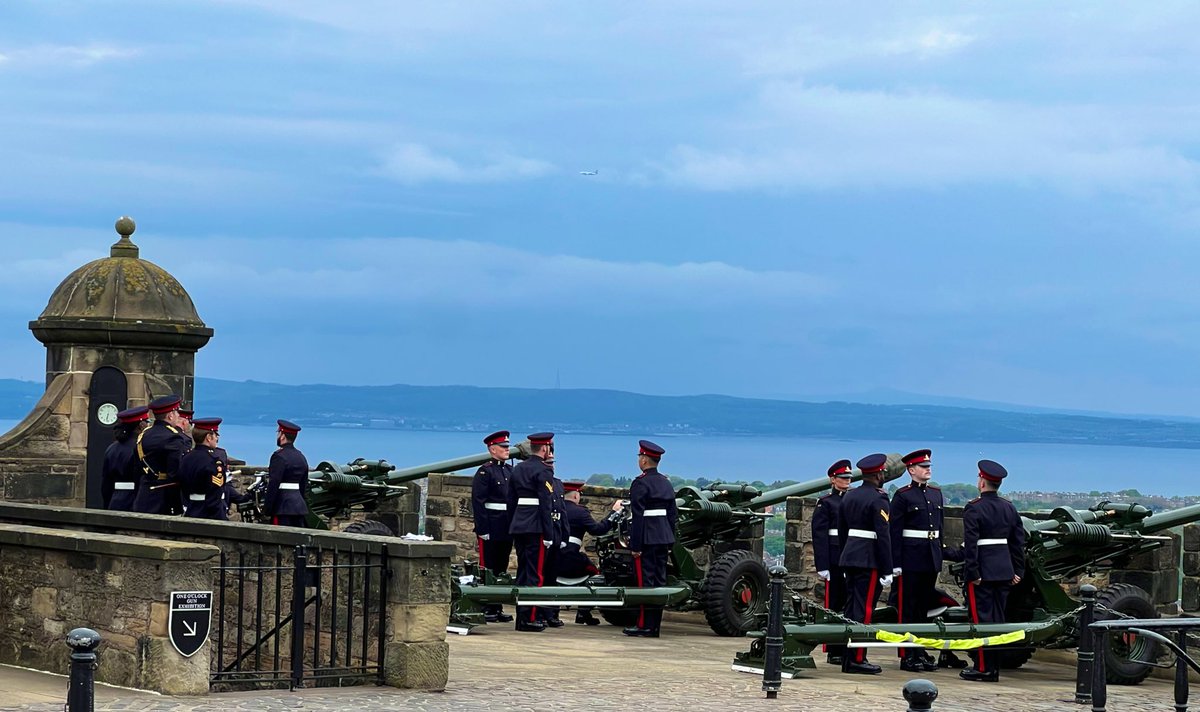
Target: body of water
1031,466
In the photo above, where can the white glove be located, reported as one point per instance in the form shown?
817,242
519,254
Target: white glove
897,571
485,537
824,575
546,543
885,580
562,544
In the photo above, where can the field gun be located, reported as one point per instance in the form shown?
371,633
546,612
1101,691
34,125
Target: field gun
335,491
731,588
1059,545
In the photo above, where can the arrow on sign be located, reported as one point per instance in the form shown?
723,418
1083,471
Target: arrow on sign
191,629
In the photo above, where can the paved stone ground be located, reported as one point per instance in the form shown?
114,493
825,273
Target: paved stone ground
688,668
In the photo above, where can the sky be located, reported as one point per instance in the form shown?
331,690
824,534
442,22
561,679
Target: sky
997,201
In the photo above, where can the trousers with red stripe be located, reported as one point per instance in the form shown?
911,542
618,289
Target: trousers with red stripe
651,570
986,601
533,569
915,597
862,587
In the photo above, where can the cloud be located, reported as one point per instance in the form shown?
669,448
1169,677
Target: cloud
415,163
804,49
60,56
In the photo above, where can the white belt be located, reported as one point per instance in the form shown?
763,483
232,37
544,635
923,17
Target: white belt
833,532
655,513
992,542
197,497
289,485
498,506
921,534
575,540
528,502
862,534
123,485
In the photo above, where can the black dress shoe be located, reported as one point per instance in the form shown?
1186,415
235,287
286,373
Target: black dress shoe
949,660
503,618
586,619
635,632
555,623
833,659
861,668
912,664
534,627
975,676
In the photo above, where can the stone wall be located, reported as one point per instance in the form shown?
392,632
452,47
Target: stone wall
1157,572
418,606
43,458
53,582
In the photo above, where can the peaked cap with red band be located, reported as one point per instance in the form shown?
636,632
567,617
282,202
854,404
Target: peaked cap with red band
288,427
134,415
541,438
165,404
187,413
573,487
917,457
211,424
873,463
649,449
500,437
841,467
992,471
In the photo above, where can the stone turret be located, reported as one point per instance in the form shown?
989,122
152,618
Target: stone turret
118,332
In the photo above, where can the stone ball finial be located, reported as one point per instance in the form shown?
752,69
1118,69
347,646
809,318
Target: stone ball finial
124,247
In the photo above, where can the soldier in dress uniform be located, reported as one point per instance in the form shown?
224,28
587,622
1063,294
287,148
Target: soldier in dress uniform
651,532
121,471
287,479
994,554
489,505
916,551
160,449
232,495
202,473
572,561
534,529
865,541
185,426
826,550
550,571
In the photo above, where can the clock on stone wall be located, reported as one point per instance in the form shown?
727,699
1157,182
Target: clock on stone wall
107,413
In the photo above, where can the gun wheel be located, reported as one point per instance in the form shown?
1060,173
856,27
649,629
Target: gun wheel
368,526
1129,656
735,592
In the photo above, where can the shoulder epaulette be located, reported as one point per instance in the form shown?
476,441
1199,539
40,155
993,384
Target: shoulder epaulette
827,494
903,489
975,500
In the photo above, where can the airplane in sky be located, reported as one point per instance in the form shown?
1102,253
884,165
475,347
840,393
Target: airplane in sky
589,173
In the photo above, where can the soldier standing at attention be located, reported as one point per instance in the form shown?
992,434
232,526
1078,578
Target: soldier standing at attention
651,532
121,472
572,561
994,552
826,550
865,540
489,504
916,551
287,479
202,473
558,507
534,530
160,448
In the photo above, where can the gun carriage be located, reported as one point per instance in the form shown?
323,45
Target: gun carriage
1060,545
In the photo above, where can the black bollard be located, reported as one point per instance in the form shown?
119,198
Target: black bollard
81,695
920,694
1181,674
1086,654
773,663
1099,674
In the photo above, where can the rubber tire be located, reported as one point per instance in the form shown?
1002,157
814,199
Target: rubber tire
1132,601
719,609
368,526
623,617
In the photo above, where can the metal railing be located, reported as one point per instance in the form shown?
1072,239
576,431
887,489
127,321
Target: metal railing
299,616
1153,628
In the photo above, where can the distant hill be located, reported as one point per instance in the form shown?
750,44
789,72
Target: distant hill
605,411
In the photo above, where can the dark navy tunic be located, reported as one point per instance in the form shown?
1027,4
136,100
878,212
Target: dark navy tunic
531,499
202,474
120,475
827,551
287,481
573,561
489,500
993,539
652,503
916,526
863,530
162,449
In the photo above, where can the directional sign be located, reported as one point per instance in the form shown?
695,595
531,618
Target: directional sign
190,620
